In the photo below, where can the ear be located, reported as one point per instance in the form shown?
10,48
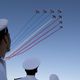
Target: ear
4,42
6,39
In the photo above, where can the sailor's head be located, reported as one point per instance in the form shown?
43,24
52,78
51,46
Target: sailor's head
4,37
31,65
53,77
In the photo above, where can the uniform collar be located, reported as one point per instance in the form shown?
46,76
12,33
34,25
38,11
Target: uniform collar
1,58
30,76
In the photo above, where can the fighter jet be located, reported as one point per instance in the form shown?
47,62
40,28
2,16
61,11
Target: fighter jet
53,16
51,11
60,22
37,11
60,16
59,11
44,11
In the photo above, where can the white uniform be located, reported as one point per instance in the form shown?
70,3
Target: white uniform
30,64
3,24
2,70
27,78
53,77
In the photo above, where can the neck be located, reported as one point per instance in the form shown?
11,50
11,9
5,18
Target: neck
30,75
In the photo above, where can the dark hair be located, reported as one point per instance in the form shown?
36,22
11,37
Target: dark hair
31,72
3,33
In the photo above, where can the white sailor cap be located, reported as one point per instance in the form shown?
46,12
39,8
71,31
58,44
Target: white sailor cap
53,77
31,63
3,23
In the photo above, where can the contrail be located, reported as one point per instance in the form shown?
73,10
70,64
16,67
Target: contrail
20,46
32,42
38,36
32,38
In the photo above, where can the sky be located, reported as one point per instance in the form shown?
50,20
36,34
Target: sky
60,53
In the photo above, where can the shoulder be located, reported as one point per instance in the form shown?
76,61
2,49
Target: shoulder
2,61
17,78
22,78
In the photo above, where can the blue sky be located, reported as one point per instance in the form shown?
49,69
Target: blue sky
60,53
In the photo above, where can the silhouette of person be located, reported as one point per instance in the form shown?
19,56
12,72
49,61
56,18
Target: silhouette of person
31,66
53,77
5,42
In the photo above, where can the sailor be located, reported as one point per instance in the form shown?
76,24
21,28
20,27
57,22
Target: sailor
31,66
4,47
53,77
